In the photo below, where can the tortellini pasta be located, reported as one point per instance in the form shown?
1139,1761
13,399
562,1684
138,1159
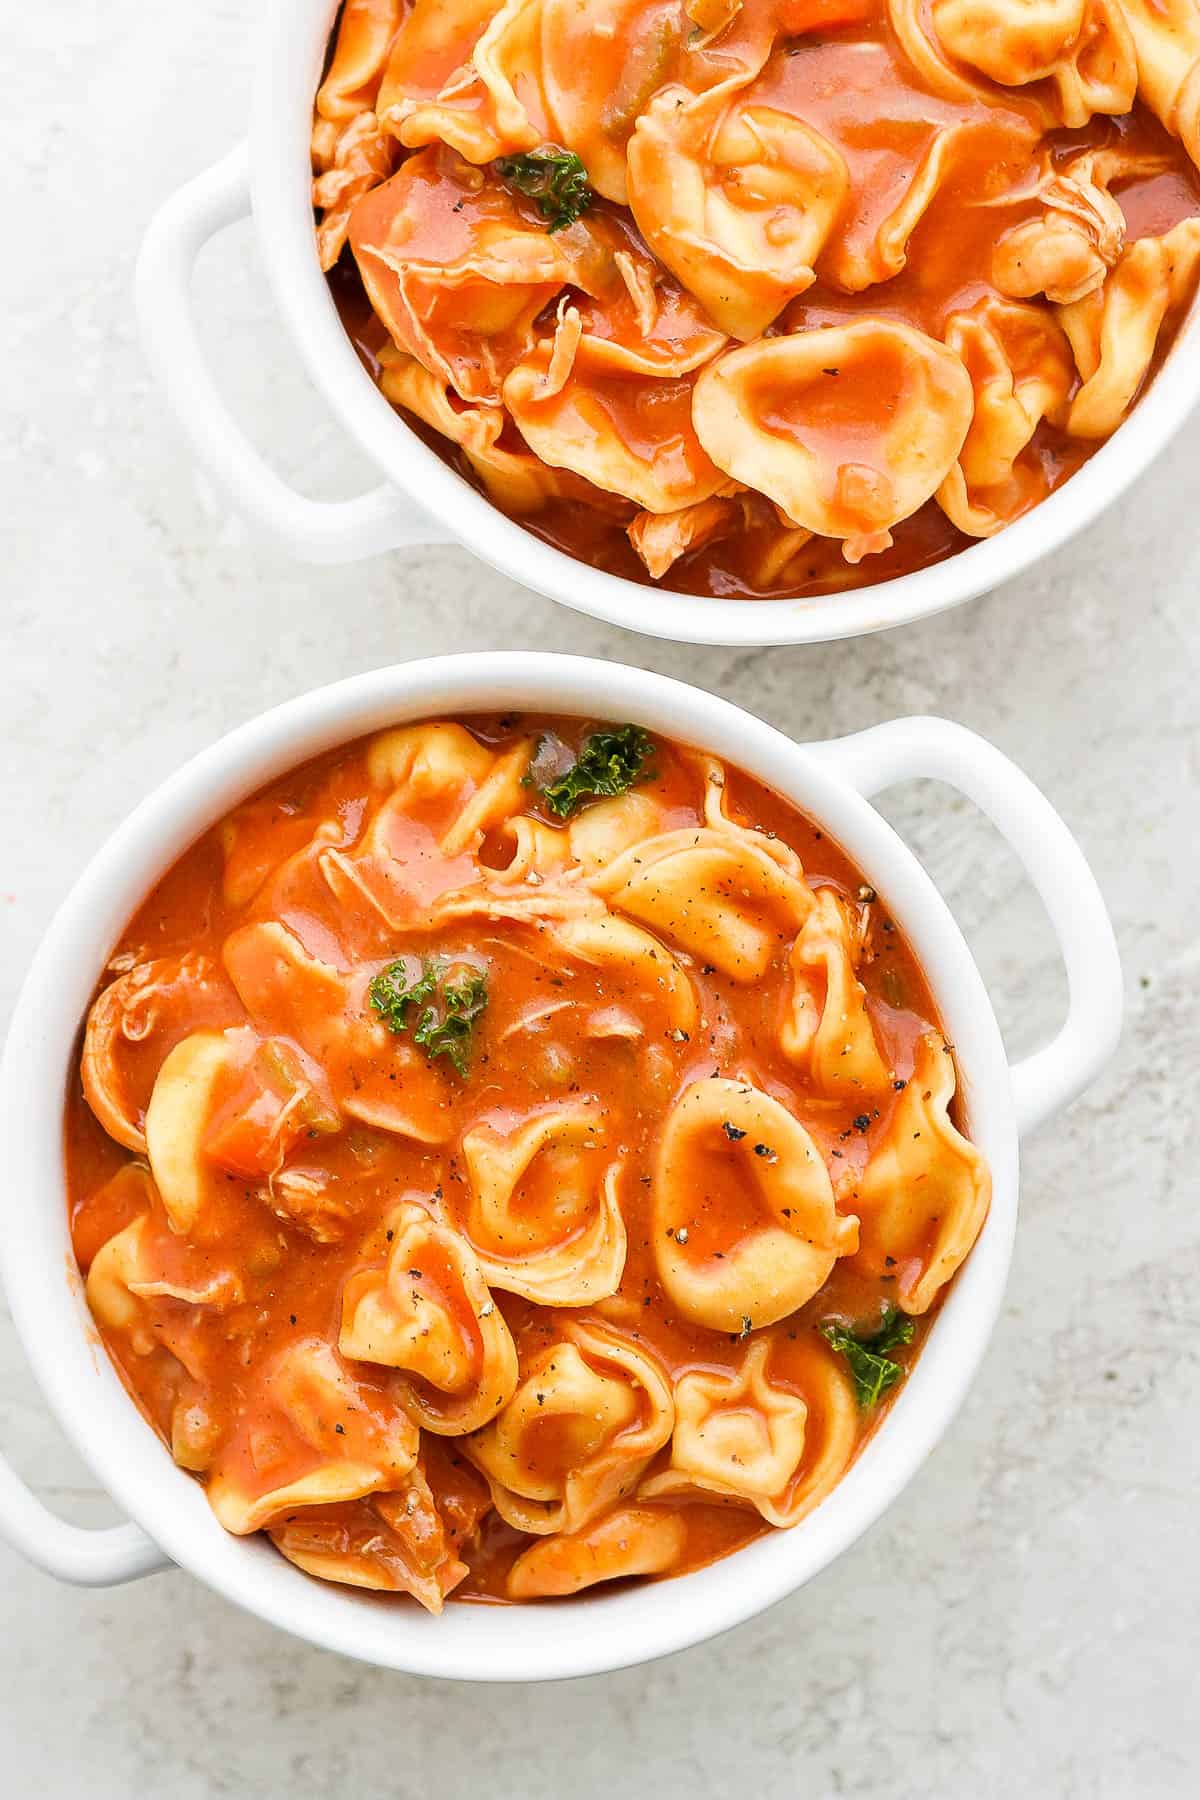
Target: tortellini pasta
517,1104
454,271
1083,47
723,1137
722,898
1166,39
632,1540
1022,372
426,1309
737,199
144,1005
545,1220
827,1025
848,430
181,1107
1114,329
591,1411
318,1437
128,1271
351,152
396,1542
579,413
747,1438
922,1198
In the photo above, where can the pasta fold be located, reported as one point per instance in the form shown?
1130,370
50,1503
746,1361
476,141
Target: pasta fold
924,1194
724,1138
848,429
424,1308
1114,330
1022,372
744,1437
591,1411
545,1221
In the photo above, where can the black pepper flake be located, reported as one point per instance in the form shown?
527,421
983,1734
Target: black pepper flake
341,1430
747,1326
390,1236
890,1261
733,1132
899,1086
766,1151
862,1122
415,1273
292,1318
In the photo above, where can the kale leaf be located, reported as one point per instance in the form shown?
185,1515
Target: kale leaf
610,762
552,177
872,1370
446,1005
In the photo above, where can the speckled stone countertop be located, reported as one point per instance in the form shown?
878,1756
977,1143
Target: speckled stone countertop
1024,1621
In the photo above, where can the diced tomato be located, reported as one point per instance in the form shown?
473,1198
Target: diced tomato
273,1105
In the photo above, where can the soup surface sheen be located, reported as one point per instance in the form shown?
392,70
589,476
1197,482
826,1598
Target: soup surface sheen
762,297
510,1155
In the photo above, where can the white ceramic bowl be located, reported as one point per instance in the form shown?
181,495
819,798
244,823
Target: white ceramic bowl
422,501
173,1522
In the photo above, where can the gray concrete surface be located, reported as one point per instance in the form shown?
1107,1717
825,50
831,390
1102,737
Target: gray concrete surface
1024,1622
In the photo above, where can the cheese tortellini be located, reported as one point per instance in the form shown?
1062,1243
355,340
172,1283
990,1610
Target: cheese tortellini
827,1026
1022,372
923,1195
591,1411
723,898
545,1218
318,1437
848,429
737,199
427,1310
752,1440
723,1136
1114,329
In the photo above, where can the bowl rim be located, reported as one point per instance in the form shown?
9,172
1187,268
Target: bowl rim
291,51
531,1642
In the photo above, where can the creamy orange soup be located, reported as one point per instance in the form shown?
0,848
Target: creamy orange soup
509,1155
762,297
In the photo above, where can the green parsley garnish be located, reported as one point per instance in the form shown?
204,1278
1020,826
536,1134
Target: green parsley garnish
609,763
446,1006
552,177
872,1371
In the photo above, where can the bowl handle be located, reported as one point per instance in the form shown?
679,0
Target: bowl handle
904,749
73,1552
313,530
